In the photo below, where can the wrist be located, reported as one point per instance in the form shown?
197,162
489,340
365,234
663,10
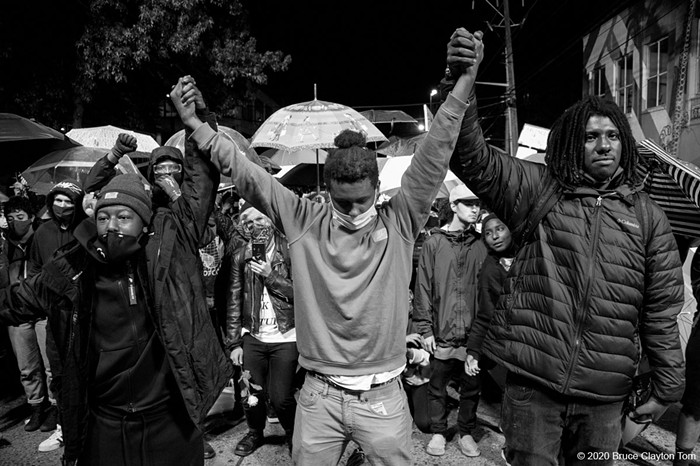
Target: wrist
192,122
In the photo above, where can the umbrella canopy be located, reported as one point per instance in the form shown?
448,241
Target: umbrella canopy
68,164
23,141
388,116
401,146
392,172
311,125
303,174
178,140
674,184
105,136
287,157
16,128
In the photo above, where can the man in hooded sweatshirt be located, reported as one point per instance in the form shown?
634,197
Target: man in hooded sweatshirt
63,204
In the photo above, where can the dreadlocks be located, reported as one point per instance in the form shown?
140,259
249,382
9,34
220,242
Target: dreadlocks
565,145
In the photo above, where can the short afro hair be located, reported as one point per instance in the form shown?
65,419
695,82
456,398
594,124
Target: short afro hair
16,203
352,161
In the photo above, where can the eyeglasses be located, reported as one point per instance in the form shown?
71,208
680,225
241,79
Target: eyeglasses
167,168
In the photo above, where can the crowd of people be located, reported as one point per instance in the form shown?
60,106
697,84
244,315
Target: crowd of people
140,298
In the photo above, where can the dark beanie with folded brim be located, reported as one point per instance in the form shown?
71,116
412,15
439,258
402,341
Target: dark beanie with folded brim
127,190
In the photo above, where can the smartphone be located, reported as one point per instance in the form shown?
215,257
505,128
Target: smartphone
259,251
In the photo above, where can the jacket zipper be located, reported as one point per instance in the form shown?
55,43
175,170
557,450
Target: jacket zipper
131,289
583,305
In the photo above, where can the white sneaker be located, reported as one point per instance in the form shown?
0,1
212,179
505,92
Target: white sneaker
54,442
436,446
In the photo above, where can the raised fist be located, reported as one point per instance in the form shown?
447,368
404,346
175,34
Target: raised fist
125,144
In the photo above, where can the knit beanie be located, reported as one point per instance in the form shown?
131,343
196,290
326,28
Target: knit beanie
128,190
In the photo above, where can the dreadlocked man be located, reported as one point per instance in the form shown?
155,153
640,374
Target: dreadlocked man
597,279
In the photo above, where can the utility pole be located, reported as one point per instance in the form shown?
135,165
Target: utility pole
511,101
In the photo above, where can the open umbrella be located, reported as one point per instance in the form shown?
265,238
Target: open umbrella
392,122
68,164
392,172
674,184
288,157
302,175
22,141
388,116
312,125
401,146
105,136
178,140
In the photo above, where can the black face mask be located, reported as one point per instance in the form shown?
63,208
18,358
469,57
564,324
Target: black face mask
64,215
117,248
19,228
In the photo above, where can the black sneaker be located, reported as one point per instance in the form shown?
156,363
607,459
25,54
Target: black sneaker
49,424
36,418
248,444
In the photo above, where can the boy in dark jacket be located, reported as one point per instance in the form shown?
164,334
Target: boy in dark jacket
445,305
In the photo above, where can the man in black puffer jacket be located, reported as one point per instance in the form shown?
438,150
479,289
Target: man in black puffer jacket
596,281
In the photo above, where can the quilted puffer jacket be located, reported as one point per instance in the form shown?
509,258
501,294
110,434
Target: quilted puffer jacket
598,281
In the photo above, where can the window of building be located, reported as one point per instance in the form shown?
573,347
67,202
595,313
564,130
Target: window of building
625,83
658,73
598,84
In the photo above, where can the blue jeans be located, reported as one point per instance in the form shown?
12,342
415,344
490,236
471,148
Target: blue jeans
328,418
469,390
29,344
272,366
541,425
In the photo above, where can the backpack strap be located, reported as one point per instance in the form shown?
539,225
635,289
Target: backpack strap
547,198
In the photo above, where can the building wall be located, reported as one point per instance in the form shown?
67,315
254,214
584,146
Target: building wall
633,31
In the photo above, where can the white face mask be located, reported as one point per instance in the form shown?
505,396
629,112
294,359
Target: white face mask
356,222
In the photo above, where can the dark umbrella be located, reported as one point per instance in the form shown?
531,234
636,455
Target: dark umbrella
392,121
674,184
23,141
303,174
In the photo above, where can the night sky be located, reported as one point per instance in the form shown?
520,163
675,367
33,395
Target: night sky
390,54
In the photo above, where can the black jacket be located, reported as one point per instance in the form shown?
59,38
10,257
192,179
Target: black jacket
176,299
245,292
445,296
598,281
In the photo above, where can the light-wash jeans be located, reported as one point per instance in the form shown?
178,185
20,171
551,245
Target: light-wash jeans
328,418
29,344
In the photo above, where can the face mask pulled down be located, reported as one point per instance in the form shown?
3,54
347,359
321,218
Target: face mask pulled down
117,248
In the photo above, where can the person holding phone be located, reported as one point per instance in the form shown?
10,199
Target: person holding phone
260,325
